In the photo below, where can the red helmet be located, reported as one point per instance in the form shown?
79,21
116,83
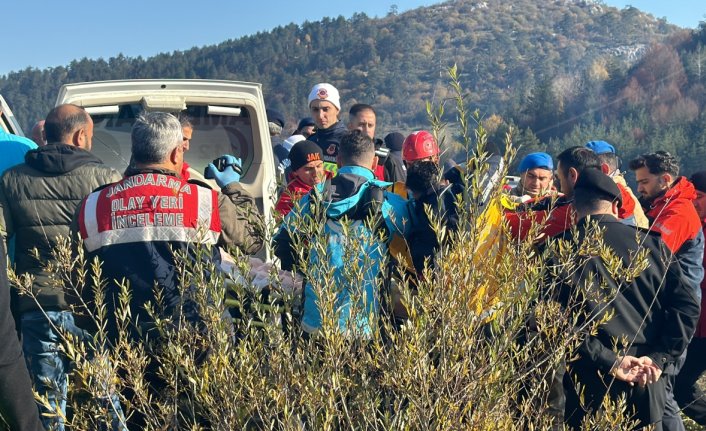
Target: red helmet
419,145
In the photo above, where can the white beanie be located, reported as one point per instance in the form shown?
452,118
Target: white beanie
325,92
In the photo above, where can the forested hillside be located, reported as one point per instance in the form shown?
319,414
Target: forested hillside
560,70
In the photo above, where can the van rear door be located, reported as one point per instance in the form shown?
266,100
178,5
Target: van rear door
228,118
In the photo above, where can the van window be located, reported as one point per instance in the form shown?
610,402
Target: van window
213,136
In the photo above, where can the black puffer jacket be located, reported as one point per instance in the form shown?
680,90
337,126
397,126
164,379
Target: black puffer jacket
38,200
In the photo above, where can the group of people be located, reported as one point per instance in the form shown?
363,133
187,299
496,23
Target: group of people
658,311
135,223
375,204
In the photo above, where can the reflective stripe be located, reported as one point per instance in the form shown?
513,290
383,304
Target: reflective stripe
108,221
90,219
205,207
147,234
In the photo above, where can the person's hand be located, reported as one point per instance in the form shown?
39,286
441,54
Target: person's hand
628,369
649,372
631,369
229,175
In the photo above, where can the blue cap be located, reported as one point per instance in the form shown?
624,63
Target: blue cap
600,147
536,160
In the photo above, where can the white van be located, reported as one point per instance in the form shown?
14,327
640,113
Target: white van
228,118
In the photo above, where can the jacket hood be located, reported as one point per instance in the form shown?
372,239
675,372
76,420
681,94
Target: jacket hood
682,189
59,158
347,188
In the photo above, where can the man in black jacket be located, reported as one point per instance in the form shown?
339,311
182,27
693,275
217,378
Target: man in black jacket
652,316
420,153
325,105
37,200
17,406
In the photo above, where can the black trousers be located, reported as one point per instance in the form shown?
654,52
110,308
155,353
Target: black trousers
691,399
647,404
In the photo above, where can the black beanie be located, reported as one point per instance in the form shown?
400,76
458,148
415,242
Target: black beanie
394,141
304,152
699,181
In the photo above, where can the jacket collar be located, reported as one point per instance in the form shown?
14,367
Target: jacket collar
599,218
137,171
682,189
357,170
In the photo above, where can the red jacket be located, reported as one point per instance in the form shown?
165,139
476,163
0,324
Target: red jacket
558,219
673,215
295,190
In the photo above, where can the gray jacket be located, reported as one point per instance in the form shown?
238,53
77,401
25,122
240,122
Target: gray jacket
37,201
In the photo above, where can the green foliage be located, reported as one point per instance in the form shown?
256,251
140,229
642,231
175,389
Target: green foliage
394,62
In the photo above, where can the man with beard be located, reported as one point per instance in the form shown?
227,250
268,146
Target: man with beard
667,199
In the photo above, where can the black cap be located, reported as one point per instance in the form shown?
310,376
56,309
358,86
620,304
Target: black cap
394,141
305,122
304,152
593,180
274,116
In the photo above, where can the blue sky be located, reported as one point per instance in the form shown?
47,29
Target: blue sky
46,33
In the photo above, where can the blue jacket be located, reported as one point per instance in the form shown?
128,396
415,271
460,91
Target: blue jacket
347,190
13,149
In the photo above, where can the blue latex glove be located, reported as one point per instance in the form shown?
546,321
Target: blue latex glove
229,175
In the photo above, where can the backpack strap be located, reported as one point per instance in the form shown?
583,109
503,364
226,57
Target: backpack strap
317,199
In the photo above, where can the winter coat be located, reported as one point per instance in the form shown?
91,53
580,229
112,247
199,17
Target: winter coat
136,226
423,240
295,190
38,200
656,312
701,328
673,215
345,191
557,215
329,140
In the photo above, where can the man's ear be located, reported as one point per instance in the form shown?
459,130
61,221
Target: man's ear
667,179
78,137
605,168
175,154
375,163
573,175
615,208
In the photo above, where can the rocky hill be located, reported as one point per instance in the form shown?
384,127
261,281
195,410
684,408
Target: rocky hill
504,49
